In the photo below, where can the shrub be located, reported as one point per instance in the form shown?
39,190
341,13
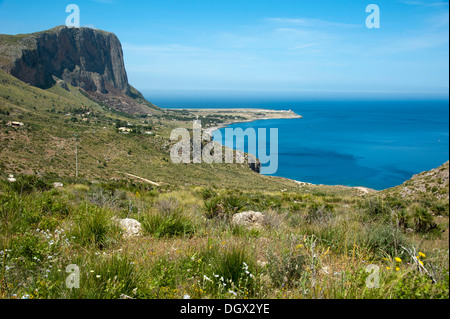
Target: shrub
286,267
231,267
94,226
213,208
375,207
384,239
29,183
168,206
233,204
421,218
107,278
318,213
162,225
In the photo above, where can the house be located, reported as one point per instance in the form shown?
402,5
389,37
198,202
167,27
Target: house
125,130
15,124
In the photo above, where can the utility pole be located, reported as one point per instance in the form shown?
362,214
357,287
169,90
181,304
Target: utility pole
76,154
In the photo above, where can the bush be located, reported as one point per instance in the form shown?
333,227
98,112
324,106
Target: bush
286,267
230,268
421,218
162,225
233,204
27,184
94,226
384,239
213,208
318,213
107,278
375,207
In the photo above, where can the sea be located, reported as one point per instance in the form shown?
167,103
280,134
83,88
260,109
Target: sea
375,144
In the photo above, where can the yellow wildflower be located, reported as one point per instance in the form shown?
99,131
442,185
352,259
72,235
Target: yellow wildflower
420,261
398,259
397,268
422,255
388,268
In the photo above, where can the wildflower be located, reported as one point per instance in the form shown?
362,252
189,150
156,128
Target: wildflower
397,268
420,262
388,268
398,259
98,276
422,255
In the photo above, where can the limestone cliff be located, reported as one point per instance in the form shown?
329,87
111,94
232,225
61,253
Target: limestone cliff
82,57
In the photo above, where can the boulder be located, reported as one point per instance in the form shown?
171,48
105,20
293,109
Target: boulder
249,219
130,226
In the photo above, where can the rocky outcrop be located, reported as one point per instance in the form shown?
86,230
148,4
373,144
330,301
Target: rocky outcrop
82,57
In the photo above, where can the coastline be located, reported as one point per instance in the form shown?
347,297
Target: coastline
271,115
242,115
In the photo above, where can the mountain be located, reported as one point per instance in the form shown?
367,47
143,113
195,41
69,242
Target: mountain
82,57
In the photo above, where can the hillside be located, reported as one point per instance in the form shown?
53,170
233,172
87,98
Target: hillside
433,183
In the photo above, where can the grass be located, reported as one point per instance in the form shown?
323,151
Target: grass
182,252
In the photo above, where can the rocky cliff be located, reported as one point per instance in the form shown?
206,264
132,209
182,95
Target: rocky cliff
82,57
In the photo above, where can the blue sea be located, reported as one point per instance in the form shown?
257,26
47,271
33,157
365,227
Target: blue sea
375,144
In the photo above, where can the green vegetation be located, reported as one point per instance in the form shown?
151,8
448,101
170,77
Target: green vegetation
183,250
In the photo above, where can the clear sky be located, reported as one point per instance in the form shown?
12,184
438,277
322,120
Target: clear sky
285,47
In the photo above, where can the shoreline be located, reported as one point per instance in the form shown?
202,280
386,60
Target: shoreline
247,115
289,114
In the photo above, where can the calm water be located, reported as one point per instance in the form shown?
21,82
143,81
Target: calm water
372,144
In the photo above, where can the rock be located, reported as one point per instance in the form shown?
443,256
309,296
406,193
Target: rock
11,178
58,185
130,226
87,58
248,219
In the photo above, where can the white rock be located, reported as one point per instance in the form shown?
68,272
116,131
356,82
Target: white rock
130,226
248,219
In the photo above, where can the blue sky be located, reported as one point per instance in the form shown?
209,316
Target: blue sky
297,48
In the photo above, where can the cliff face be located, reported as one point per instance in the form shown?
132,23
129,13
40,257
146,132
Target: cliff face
82,57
